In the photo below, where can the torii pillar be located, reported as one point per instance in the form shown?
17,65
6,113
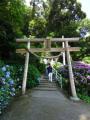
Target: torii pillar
25,70
63,53
72,84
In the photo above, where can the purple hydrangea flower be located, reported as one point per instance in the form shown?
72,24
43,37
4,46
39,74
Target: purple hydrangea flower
88,77
88,71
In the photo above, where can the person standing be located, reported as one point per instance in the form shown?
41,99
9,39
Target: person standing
49,69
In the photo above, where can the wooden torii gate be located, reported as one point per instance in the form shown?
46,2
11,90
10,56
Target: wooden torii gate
47,48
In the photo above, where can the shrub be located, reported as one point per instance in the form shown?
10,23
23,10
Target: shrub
7,86
11,79
81,76
10,83
57,65
41,67
33,76
87,59
17,75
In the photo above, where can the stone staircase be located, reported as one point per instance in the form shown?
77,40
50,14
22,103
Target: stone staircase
45,85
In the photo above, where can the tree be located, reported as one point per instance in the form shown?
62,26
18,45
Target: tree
11,21
27,19
84,28
37,27
63,13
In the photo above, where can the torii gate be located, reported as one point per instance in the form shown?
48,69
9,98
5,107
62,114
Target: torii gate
48,48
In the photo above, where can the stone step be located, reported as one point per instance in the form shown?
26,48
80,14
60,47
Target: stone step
47,85
45,89
46,81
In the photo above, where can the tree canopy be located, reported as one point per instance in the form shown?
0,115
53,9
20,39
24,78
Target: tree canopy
41,19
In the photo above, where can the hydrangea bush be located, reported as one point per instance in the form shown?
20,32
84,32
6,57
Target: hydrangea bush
11,79
10,83
81,76
7,86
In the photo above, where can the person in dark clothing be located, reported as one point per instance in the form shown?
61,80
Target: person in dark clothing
49,69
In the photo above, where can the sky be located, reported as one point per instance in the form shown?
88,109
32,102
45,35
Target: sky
85,6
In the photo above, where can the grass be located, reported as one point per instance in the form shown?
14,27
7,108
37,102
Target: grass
84,98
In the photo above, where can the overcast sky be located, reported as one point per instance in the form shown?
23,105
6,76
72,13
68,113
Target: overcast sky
85,6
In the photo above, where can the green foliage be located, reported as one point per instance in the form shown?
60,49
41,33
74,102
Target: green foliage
41,67
36,62
37,27
7,43
84,43
87,59
57,65
51,34
85,98
85,47
27,18
33,76
84,23
62,15
11,22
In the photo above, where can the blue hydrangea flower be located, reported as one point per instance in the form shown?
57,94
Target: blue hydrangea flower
3,79
3,69
13,89
7,76
12,94
11,82
7,65
19,87
8,73
2,89
3,82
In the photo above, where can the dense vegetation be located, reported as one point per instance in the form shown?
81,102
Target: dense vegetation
41,19
11,81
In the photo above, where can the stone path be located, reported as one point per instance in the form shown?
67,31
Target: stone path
46,102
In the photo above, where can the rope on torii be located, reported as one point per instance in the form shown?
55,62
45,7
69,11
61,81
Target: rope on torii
47,57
